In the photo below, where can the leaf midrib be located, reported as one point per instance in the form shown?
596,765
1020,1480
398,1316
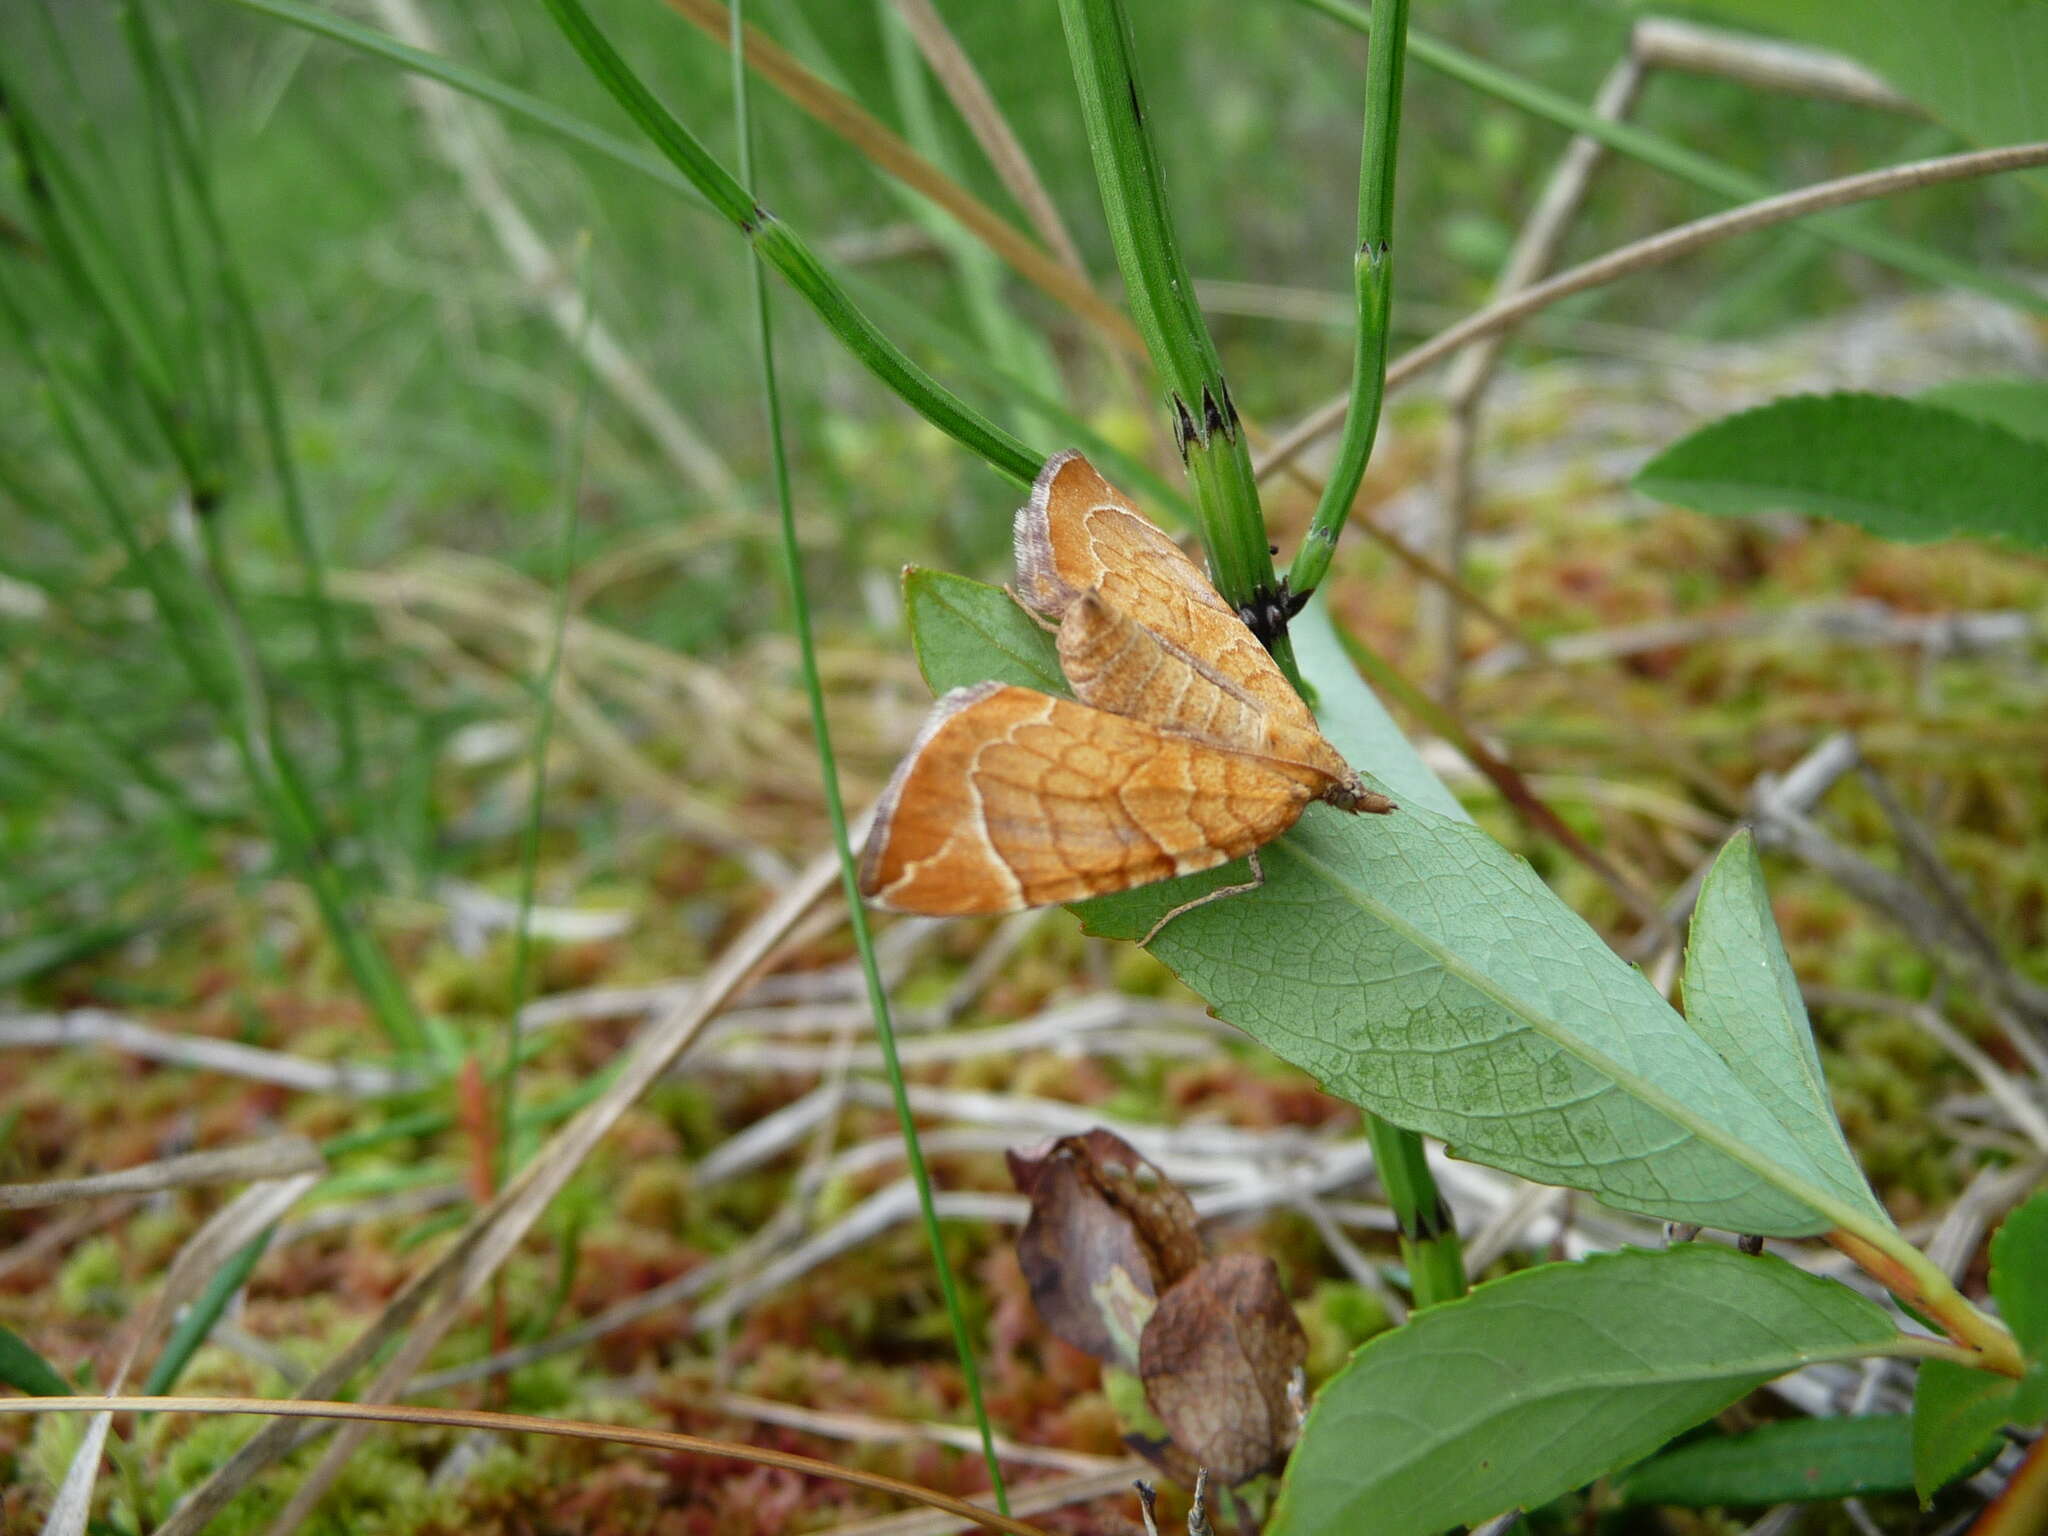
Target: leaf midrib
1773,1173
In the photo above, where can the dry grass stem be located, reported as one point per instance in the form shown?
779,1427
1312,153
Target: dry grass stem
373,1414
886,149
277,1158
99,1027
1662,42
1642,255
491,1236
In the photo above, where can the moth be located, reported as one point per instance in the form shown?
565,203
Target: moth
1184,746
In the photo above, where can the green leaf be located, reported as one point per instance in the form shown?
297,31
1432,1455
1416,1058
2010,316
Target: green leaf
22,1367
2019,1275
1898,468
1538,1383
970,632
1956,1416
1780,1463
1422,971
2030,1401
2018,405
1978,65
1742,998
1358,724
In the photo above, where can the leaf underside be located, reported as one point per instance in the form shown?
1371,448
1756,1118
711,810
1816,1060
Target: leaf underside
1420,970
1743,999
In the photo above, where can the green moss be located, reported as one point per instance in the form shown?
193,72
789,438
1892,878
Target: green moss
93,1281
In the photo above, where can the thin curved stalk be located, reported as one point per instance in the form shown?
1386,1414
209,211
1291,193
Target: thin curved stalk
528,1424
1687,165
184,143
780,247
1372,264
1655,251
835,806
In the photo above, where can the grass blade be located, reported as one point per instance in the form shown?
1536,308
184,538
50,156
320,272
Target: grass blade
543,728
814,691
780,247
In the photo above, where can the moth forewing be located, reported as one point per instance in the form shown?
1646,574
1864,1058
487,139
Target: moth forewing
920,854
1115,663
1079,533
1013,799
1185,749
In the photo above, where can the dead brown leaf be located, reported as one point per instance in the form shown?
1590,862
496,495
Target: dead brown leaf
1108,1234
1216,1359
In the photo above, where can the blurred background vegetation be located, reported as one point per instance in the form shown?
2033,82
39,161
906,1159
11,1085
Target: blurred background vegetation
427,404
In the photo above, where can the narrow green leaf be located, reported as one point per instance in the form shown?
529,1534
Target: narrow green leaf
197,1324
1780,1463
1742,998
1543,1381
472,82
22,1367
1896,467
968,632
2018,405
1975,64
1956,1416
780,247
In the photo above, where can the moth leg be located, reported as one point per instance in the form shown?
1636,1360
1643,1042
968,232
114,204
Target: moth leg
1258,879
1050,626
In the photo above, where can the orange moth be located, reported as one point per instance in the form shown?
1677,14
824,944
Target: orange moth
1184,746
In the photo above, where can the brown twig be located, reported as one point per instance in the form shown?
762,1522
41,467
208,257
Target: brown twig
854,123
527,1424
1535,248
1655,251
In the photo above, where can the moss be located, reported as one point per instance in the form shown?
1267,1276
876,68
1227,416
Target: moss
1338,1316
93,1281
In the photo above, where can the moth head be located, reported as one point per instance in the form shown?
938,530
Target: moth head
1350,794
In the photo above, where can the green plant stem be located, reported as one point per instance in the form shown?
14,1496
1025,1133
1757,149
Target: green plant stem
1372,264
205,1311
780,247
1674,159
270,408
239,709
1212,443
835,808
1162,299
275,773
1429,1238
543,729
